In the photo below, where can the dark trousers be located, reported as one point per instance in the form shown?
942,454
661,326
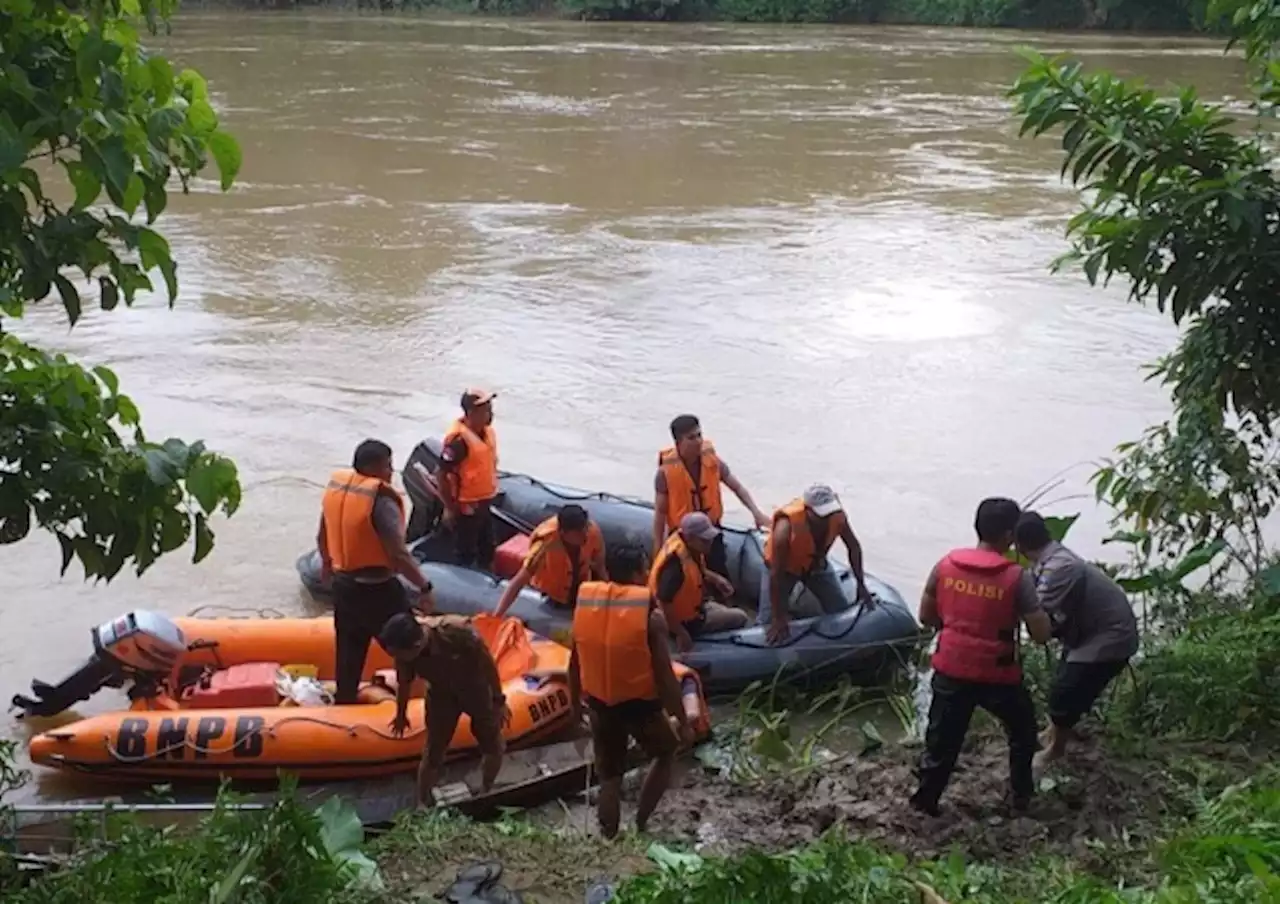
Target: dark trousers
949,714
473,536
1077,686
359,613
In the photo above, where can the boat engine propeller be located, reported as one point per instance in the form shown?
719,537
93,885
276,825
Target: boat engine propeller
143,647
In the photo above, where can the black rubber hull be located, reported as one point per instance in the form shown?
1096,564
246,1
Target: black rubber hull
857,642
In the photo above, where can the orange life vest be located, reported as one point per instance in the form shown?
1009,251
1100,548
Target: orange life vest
683,495
977,604
803,553
611,635
349,532
688,602
553,566
477,474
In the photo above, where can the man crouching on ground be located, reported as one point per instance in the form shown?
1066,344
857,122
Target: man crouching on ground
461,678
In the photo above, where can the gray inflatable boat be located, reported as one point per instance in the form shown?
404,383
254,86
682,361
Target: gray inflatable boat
863,643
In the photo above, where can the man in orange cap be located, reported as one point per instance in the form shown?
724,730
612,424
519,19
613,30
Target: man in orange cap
469,465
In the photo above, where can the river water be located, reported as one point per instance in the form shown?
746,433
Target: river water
828,243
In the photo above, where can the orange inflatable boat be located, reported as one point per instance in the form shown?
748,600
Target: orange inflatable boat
209,701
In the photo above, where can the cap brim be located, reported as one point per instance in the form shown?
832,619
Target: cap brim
477,399
823,511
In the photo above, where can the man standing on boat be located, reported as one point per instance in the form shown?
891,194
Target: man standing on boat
688,480
461,677
796,553
621,667
469,468
361,542
680,578
566,550
977,596
1091,615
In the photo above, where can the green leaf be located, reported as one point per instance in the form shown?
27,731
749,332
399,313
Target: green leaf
85,182
201,117
226,153
204,539
209,481
70,297
193,85
68,552
340,827
109,294
673,860
156,198
161,79
118,166
225,892
127,412
133,193
108,378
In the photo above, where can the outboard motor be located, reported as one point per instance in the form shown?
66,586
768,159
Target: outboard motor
141,646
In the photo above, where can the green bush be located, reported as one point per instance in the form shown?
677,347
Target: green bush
285,854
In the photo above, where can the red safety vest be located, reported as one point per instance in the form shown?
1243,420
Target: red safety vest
977,603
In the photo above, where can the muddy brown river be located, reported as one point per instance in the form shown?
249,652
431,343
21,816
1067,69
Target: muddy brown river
826,242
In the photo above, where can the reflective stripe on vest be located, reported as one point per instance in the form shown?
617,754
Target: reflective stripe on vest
977,604
802,553
552,564
349,531
688,602
683,495
478,472
611,635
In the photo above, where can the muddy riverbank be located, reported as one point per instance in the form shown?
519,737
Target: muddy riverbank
1102,797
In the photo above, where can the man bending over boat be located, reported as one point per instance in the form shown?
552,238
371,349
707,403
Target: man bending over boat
565,550
461,677
679,581
621,667
361,541
804,530
469,465
688,480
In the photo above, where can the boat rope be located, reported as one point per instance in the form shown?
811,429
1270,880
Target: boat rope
249,611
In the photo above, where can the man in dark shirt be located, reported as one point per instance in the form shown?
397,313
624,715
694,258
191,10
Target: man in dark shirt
1091,615
461,677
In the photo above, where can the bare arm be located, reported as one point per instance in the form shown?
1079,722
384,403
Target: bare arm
404,687
929,601
733,483
781,549
664,675
659,520
855,557
514,586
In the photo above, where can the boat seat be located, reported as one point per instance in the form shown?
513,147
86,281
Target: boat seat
509,557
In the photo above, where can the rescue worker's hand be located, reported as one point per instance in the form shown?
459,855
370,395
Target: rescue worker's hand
865,597
426,602
718,583
686,734
450,518
762,521
399,725
684,642
779,630
505,717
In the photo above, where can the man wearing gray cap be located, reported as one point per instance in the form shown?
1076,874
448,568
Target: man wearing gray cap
796,553
680,578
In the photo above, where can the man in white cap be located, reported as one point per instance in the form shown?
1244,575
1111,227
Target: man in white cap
679,581
796,553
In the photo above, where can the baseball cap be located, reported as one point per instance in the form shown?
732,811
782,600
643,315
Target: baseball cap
822,500
699,527
474,398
